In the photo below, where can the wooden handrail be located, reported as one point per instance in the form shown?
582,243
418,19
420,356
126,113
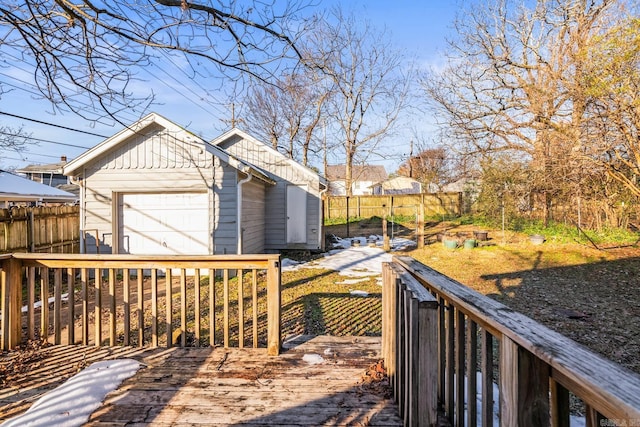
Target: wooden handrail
117,279
535,362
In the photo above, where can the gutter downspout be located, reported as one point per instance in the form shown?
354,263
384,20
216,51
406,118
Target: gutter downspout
239,209
320,219
80,183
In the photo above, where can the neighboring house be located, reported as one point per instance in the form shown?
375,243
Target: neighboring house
156,188
16,190
293,214
362,179
50,174
398,185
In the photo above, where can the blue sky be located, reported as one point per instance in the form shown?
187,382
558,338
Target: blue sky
417,26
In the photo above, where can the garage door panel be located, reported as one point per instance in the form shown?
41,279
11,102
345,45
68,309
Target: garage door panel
164,224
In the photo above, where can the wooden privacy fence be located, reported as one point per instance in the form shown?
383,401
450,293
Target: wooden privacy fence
229,300
447,204
53,229
444,354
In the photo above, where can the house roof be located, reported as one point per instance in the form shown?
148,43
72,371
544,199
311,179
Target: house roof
108,144
14,188
244,135
372,173
48,168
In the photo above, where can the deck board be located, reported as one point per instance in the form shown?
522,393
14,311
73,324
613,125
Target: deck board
218,387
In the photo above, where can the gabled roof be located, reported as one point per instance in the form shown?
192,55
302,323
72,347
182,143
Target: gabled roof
110,143
371,173
244,135
14,188
49,168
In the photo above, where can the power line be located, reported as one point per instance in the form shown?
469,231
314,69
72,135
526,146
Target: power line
43,140
52,124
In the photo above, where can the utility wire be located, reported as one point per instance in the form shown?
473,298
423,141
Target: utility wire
52,124
42,140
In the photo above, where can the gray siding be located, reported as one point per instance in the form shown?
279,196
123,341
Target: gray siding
253,217
152,162
225,238
284,173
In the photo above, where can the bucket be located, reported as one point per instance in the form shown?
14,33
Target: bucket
469,244
450,244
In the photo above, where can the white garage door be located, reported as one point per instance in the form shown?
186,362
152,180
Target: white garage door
164,224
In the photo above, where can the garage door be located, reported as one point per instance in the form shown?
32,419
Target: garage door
164,224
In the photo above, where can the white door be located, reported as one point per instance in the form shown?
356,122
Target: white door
296,214
164,223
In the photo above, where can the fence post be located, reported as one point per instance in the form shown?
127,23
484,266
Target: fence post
420,226
10,281
274,340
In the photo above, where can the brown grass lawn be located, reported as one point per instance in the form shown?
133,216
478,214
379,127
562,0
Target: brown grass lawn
589,295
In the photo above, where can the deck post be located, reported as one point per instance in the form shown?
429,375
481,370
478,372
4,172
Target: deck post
10,282
274,339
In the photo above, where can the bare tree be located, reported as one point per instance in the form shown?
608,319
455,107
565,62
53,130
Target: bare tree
514,84
369,77
14,139
612,81
84,49
288,113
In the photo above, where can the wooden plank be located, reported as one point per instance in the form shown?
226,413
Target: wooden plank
98,307
126,306
140,307
154,307
427,362
524,386
84,282
197,307
450,363
44,308
460,363
274,304
212,308
560,413
225,309
240,308
472,367
31,301
168,303
487,378
57,306
71,307
112,307
11,283
254,298
183,307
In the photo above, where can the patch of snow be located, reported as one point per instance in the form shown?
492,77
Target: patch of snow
352,281
359,293
313,359
51,300
289,264
72,403
328,352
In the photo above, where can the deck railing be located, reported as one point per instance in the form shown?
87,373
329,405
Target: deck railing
229,300
533,368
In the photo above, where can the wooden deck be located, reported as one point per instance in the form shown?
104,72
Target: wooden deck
216,387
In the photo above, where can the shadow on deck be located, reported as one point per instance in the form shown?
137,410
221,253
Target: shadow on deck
190,386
